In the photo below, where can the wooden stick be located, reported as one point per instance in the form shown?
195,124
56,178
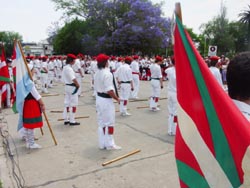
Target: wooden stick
139,107
49,95
56,111
41,129
80,117
51,132
121,157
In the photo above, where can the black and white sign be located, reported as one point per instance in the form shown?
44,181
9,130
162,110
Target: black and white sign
212,50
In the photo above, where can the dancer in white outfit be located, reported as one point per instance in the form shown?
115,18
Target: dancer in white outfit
103,83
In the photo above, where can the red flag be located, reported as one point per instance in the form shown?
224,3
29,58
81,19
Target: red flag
4,76
213,136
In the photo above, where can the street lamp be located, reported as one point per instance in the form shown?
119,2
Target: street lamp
205,40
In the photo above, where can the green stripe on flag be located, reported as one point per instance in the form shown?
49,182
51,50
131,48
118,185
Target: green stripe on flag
222,151
14,108
5,79
189,174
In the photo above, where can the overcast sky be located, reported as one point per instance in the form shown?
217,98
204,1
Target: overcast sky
31,18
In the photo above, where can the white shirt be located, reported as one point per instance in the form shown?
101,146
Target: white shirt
155,70
93,66
134,66
68,74
124,73
244,108
76,66
103,80
216,72
171,75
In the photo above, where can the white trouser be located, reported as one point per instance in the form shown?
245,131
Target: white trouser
51,76
44,81
8,94
172,111
106,118
29,136
79,80
70,101
156,91
136,82
124,95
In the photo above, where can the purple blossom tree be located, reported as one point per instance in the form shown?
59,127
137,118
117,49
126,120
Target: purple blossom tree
123,26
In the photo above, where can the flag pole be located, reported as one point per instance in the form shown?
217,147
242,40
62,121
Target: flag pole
29,72
178,10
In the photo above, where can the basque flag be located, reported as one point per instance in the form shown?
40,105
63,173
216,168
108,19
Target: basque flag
4,76
213,137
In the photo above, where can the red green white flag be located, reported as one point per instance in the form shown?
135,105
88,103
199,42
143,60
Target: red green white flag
4,76
213,137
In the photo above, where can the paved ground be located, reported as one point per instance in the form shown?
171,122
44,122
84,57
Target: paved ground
76,162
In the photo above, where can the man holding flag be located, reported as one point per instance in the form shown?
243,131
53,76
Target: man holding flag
213,137
28,103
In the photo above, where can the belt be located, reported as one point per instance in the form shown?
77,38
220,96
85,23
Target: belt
155,78
135,72
104,95
43,72
125,82
72,84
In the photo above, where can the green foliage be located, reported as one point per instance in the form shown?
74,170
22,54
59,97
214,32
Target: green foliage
68,39
229,38
7,38
245,19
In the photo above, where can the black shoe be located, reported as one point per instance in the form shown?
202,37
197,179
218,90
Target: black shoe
66,122
75,123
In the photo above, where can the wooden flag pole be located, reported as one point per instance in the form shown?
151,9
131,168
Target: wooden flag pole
121,157
178,11
51,132
25,62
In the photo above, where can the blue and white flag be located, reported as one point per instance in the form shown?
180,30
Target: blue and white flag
24,83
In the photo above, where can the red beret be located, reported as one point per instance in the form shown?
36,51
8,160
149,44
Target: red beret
214,58
80,55
120,59
102,58
158,58
128,59
71,55
136,57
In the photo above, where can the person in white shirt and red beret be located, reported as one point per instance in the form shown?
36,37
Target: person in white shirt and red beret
125,80
104,86
156,83
71,91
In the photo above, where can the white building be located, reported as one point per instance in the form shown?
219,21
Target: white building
38,49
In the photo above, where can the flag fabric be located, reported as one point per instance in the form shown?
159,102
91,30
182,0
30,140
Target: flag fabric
23,81
213,136
4,76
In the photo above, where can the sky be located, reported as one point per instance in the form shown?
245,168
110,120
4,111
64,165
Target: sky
32,18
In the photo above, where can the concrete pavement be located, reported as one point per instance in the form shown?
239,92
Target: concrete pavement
76,162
